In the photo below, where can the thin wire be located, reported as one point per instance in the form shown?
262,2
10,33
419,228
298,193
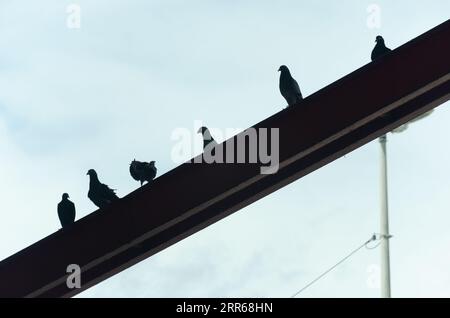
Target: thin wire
378,236
373,238
373,247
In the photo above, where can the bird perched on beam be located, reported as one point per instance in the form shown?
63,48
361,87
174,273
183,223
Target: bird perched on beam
289,87
380,49
207,138
143,171
66,211
100,194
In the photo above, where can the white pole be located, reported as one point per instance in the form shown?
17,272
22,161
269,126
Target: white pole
384,219
384,222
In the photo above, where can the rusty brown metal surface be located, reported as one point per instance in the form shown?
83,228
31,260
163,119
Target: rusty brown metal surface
330,123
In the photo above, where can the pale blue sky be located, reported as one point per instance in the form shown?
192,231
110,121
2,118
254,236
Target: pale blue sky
74,99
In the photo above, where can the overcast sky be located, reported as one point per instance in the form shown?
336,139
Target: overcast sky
116,88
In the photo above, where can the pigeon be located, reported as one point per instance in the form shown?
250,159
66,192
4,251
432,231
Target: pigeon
207,138
66,211
143,171
100,194
380,49
289,87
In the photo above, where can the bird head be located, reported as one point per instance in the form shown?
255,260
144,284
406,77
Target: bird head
92,173
202,130
283,68
132,162
379,39
65,196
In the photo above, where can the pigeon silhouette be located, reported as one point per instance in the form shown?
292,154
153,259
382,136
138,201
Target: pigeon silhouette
100,194
380,49
289,87
207,138
66,211
143,171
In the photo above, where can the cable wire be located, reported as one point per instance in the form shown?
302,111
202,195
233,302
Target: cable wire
373,238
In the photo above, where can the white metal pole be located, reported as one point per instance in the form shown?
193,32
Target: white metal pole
384,222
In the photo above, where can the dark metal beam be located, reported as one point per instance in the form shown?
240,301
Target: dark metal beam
330,123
